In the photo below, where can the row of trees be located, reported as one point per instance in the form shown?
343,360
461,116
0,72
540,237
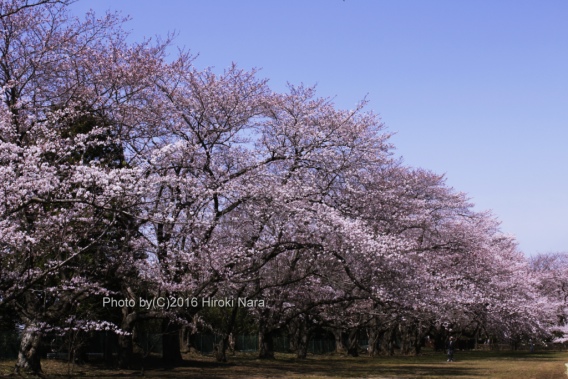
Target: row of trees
124,174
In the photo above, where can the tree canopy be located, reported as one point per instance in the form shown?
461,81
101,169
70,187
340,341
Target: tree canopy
126,176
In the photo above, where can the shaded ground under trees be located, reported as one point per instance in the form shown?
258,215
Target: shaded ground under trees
468,365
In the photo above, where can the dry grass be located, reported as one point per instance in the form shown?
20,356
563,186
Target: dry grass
468,365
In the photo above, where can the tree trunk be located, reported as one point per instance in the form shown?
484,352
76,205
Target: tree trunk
302,339
406,339
221,349
125,345
299,337
387,341
223,345
353,343
292,337
185,342
232,344
476,341
419,339
265,344
340,347
302,352
418,345
373,335
28,355
171,352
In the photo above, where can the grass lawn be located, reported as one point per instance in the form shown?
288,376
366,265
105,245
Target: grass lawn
468,365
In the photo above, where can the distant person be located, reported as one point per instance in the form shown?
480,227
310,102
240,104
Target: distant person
531,345
451,346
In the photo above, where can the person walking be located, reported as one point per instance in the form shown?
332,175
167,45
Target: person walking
451,345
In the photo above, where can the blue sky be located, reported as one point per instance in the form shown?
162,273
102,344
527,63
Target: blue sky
477,90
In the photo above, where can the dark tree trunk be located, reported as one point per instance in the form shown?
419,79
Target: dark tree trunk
186,343
28,355
439,342
299,337
292,337
221,349
232,344
340,347
292,343
353,343
302,338
265,344
406,339
418,345
387,341
171,352
224,344
476,336
373,335
419,339
515,344
125,345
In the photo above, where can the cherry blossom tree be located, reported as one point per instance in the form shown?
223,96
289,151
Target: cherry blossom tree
549,271
68,195
126,173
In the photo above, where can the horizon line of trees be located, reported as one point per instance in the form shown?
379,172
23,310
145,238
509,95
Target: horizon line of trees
129,174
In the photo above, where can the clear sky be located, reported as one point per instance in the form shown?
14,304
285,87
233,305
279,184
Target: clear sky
477,90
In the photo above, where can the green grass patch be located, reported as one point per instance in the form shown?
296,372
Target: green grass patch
467,365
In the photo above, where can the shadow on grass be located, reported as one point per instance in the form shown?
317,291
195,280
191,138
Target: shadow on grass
468,365
340,367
